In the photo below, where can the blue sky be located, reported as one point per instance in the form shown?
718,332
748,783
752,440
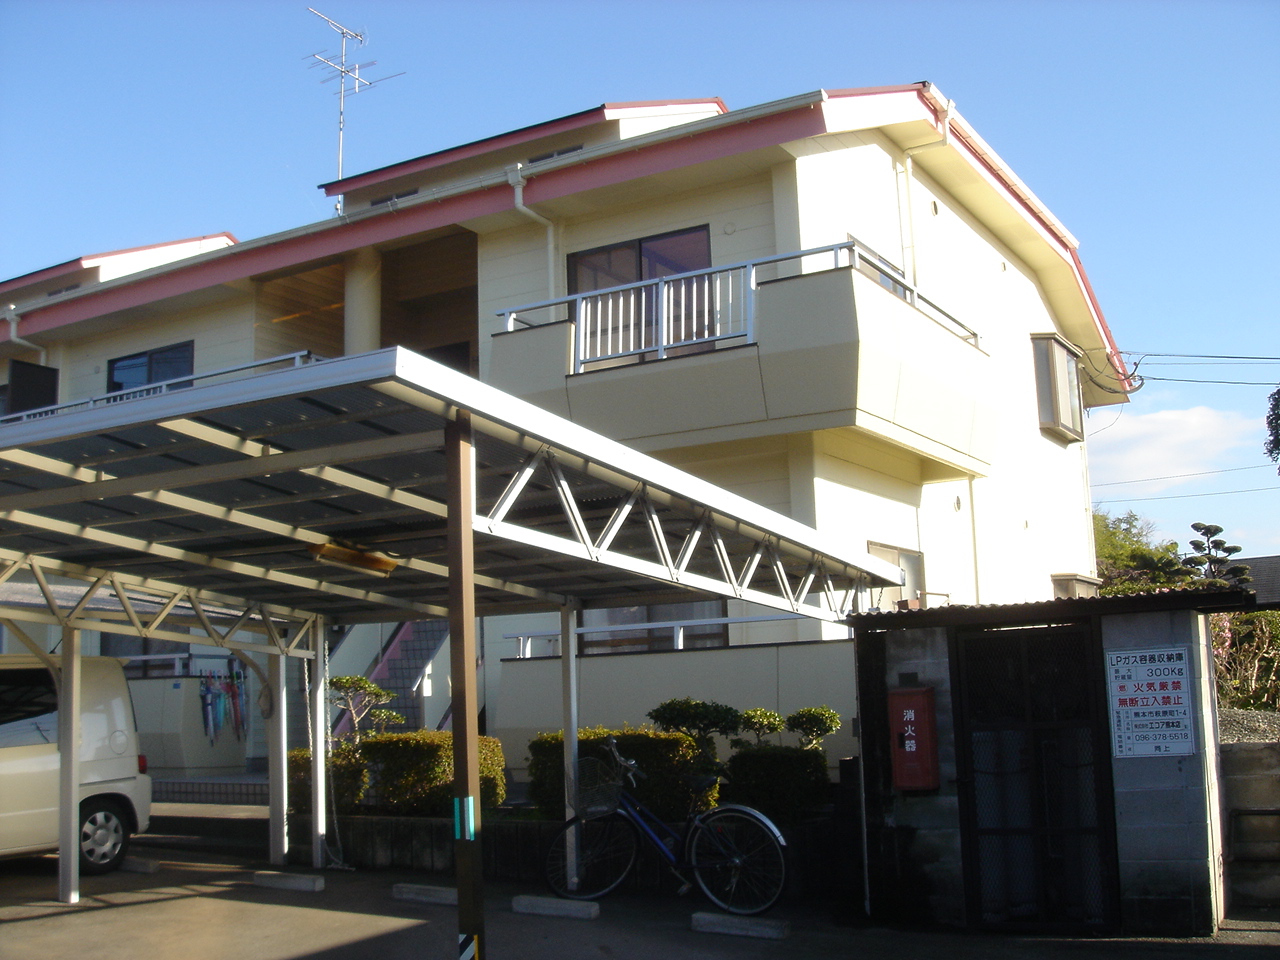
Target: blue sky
1147,127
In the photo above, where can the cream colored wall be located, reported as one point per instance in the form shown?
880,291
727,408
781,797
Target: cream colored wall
956,424
223,336
621,689
513,262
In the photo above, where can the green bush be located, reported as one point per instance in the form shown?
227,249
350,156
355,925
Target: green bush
347,771
812,724
699,719
784,783
667,761
404,774
411,774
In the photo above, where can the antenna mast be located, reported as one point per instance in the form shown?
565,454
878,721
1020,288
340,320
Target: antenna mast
345,74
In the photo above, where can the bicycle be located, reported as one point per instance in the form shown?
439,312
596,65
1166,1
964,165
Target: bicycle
735,853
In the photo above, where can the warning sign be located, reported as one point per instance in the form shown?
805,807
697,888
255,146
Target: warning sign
1150,696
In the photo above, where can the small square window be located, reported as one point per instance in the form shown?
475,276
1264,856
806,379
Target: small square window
1058,387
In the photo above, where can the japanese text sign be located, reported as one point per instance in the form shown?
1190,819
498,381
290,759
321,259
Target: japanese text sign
1150,694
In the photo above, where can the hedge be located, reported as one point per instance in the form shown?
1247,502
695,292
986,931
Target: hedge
667,760
404,774
786,784
411,774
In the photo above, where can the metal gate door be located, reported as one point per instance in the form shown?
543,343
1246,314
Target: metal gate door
1035,784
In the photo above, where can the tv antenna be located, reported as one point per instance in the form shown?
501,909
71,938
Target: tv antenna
348,77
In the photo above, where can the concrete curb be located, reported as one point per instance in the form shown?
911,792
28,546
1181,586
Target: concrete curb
740,926
420,893
555,907
308,882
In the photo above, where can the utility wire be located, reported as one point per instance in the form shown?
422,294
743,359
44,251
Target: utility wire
1180,476
1229,383
1186,496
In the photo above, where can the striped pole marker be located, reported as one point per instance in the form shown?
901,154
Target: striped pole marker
467,946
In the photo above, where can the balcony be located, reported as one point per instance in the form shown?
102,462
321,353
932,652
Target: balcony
700,310
817,339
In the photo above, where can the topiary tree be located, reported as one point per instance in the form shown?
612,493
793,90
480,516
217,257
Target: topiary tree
760,723
381,719
357,695
1212,563
812,724
697,719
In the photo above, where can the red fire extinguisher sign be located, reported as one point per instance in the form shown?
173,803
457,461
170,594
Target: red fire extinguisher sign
913,732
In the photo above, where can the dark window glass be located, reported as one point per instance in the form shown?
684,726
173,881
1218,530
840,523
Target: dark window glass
28,708
644,259
151,366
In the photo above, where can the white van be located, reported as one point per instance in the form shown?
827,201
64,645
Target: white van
115,792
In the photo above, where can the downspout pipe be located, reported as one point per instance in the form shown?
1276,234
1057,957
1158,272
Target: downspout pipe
944,116
11,315
517,179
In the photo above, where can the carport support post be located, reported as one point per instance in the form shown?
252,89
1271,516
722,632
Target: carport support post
277,770
569,706
69,769
460,454
319,740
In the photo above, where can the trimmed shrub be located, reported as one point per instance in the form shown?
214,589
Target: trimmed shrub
402,774
784,783
411,774
813,724
347,769
669,762
699,719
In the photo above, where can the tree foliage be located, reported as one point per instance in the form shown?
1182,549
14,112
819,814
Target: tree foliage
812,724
357,695
1246,654
1130,560
1272,446
699,719
1211,564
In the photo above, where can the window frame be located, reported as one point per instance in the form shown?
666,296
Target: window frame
115,386
1059,400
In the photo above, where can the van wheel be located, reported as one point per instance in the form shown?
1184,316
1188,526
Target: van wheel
104,836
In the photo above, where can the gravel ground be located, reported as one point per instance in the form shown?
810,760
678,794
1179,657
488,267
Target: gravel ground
1248,726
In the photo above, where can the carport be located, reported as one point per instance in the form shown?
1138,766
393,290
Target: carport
257,513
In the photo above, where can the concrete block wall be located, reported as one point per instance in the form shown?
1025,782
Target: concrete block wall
1251,781
1167,825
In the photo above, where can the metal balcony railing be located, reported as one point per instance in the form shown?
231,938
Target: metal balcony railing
155,389
696,311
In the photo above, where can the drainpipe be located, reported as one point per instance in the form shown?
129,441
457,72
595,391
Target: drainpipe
11,314
944,114
518,180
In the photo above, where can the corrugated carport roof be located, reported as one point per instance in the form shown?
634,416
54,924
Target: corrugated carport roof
227,490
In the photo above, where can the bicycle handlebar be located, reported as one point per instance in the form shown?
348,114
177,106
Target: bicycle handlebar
630,766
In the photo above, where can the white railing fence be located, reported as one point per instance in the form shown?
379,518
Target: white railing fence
695,311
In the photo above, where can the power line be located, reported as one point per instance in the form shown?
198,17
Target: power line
1229,383
1193,356
1181,476
1186,496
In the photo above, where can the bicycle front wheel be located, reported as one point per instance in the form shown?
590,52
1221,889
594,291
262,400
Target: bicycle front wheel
738,861
588,858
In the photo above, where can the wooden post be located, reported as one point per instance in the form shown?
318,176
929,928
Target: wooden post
460,454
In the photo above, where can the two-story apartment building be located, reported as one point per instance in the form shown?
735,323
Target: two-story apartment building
843,305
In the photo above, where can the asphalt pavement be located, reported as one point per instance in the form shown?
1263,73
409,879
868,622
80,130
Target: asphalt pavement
205,906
